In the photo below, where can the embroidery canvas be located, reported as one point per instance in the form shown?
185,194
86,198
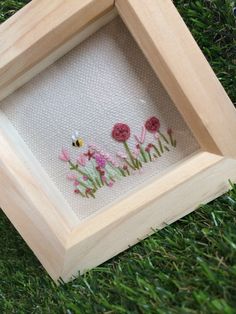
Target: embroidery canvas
104,81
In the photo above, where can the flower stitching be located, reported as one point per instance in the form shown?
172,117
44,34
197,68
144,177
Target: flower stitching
96,168
152,125
121,132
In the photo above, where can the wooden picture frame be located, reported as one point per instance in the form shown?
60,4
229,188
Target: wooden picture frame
41,33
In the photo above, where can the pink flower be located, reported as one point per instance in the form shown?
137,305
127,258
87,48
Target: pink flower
103,179
136,153
125,167
152,125
89,154
100,160
64,155
85,178
121,155
76,183
141,139
76,191
121,132
71,177
169,131
110,184
81,160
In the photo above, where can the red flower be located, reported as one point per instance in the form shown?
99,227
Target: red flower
121,132
150,145
169,131
89,154
152,124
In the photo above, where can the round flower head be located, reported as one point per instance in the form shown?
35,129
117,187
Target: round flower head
121,132
152,125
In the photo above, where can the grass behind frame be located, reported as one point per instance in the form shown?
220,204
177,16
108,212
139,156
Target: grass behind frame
188,267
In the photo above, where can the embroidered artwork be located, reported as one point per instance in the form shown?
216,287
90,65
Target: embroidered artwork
96,168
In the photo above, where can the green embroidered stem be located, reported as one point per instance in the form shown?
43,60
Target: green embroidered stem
122,172
143,154
160,145
89,193
157,150
163,136
82,194
172,141
76,168
166,148
130,156
98,183
83,184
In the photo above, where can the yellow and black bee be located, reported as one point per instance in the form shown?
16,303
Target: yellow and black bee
76,140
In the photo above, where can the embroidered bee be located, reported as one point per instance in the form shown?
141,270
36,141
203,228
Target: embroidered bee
76,140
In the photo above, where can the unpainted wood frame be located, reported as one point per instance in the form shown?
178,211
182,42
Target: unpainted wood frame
38,35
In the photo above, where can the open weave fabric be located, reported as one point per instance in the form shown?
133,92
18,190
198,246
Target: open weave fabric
104,80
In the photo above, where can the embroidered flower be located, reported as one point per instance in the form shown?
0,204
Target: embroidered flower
121,132
136,153
100,160
152,125
103,179
71,177
121,155
76,182
169,131
81,160
89,154
141,139
102,169
64,155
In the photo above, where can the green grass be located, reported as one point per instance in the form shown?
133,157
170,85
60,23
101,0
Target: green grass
188,267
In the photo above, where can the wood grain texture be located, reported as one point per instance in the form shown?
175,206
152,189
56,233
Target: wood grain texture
197,180
39,29
32,203
184,71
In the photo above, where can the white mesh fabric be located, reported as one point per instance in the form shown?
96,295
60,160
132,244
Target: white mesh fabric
105,80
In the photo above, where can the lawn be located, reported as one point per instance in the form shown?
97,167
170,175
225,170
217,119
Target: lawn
188,267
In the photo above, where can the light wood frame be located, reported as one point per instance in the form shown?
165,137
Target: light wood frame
38,35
